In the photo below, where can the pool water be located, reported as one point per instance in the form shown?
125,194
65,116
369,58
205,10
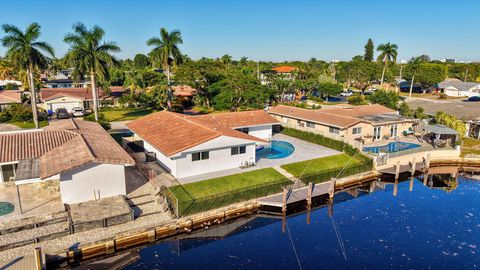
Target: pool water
6,208
419,229
277,149
391,147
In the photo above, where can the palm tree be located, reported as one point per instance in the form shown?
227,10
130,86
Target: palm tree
414,64
226,60
90,56
6,71
26,52
388,53
167,52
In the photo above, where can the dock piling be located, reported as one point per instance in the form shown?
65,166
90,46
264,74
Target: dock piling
331,189
284,201
309,194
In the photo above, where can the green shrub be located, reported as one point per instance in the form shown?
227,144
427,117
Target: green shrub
314,98
101,120
357,100
21,113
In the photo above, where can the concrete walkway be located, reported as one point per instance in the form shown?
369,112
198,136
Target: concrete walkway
303,151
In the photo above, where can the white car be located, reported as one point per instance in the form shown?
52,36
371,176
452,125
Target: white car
348,93
77,111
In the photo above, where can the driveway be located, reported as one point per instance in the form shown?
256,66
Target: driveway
460,108
8,127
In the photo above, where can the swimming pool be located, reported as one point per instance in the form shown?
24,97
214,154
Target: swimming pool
391,147
6,208
277,149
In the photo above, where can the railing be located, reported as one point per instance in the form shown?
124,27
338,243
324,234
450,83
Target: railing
336,173
183,204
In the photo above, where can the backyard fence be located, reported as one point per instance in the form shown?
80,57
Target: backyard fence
183,204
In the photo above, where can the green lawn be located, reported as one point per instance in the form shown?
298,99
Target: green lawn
470,146
319,165
126,114
217,192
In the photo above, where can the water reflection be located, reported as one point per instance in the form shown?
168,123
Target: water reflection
431,220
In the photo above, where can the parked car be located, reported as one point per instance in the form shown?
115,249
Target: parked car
77,112
474,98
62,113
348,93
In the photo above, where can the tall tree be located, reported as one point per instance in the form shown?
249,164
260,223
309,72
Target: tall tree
90,55
368,56
6,71
226,60
413,65
388,53
167,52
26,52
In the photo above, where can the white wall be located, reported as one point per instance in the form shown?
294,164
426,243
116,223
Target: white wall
262,132
79,184
66,102
219,159
163,160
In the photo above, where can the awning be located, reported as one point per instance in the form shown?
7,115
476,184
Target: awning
440,130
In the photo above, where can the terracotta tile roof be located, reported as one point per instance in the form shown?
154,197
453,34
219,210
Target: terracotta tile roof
79,92
172,133
341,117
238,119
284,69
183,90
62,146
10,96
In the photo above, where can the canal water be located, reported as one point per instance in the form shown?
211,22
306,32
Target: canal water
434,227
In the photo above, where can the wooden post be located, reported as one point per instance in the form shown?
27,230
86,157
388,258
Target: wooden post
309,194
425,177
284,201
397,171
284,222
428,160
38,258
414,165
330,206
331,189
308,214
411,183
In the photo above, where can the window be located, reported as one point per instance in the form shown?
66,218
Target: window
377,132
244,130
238,150
357,130
393,130
334,130
200,156
310,125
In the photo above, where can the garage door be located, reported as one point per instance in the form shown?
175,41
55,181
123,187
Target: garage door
65,105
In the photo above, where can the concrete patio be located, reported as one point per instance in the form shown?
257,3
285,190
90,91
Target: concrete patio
303,151
36,198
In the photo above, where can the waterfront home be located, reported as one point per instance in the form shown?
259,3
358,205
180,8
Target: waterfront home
68,98
286,72
81,154
352,124
191,145
457,88
10,85
9,97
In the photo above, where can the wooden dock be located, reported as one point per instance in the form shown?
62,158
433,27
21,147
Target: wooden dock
419,166
295,195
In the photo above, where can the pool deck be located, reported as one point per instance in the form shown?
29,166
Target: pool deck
303,151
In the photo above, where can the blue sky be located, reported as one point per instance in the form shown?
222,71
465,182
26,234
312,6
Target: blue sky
266,30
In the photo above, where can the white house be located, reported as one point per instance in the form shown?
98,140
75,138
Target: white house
192,145
457,88
81,154
10,85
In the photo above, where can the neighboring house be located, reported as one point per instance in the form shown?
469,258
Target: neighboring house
184,93
9,97
457,88
191,145
10,85
68,98
285,71
81,154
351,124
65,83
405,87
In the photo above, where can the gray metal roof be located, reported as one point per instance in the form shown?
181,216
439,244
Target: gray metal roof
464,86
440,129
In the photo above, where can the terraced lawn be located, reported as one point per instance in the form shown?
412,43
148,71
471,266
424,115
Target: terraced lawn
320,165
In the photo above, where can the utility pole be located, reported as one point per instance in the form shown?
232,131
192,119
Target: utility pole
466,74
401,68
258,70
